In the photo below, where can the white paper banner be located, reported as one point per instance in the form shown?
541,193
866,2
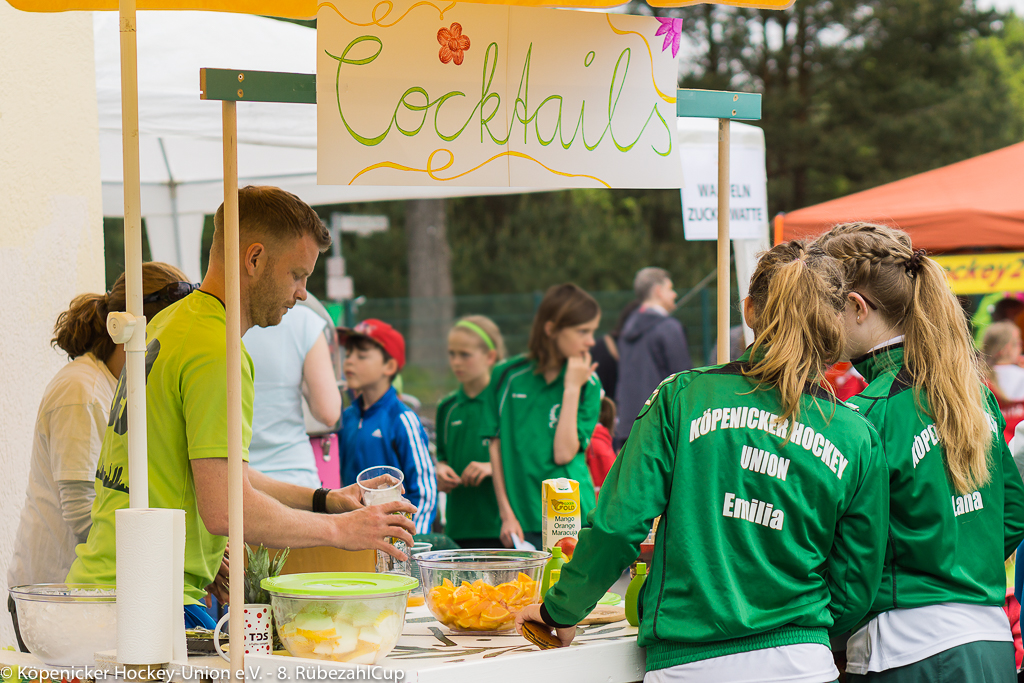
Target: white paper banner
748,192
418,93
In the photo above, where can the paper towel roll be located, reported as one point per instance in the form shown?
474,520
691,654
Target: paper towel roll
150,575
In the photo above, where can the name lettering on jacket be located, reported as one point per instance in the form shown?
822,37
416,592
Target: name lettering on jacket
763,462
923,443
752,418
966,503
756,511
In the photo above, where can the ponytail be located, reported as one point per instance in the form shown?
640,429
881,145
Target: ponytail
913,295
797,294
83,327
941,358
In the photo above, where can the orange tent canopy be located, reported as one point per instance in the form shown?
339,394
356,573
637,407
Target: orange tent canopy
976,203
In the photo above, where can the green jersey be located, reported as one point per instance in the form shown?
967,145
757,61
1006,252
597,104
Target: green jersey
942,546
772,532
472,511
522,410
186,415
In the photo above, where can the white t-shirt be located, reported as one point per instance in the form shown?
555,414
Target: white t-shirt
69,431
904,636
280,447
1011,380
803,663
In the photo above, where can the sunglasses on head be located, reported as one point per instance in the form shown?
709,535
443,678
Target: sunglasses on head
170,293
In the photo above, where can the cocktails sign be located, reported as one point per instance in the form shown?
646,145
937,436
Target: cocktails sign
490,95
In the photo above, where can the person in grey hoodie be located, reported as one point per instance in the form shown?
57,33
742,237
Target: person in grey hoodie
652,346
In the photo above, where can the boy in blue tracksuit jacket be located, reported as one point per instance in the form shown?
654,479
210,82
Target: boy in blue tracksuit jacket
378,429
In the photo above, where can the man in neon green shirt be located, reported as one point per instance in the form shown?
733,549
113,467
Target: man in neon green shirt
186,397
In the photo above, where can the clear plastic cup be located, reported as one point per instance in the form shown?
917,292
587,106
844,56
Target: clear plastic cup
382,484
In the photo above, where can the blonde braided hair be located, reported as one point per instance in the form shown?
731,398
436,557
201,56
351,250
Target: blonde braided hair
913,296
797,293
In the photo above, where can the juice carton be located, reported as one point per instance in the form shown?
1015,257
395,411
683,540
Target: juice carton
561,514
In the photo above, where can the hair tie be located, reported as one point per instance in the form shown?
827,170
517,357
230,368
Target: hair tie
913,264
479,330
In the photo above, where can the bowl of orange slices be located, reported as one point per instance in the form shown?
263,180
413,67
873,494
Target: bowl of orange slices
480,591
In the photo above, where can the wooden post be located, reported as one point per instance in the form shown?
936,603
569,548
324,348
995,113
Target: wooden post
723,241
135,347
236,537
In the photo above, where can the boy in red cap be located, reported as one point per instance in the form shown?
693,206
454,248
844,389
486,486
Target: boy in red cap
378,429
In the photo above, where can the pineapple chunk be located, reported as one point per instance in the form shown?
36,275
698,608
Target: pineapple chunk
369,634
325,647
365,653
347,636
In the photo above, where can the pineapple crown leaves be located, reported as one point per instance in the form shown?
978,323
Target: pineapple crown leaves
260,566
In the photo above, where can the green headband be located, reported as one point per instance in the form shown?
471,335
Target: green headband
479,330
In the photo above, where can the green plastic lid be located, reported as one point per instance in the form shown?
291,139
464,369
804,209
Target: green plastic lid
556,552
339,584
641,568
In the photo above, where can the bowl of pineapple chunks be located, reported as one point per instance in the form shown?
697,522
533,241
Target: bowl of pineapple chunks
353,617
480,591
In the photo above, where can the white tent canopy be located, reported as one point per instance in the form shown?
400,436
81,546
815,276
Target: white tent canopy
180,135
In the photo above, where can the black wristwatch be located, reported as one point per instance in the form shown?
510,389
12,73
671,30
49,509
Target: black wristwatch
320,500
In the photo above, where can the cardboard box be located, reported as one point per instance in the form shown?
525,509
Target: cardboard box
561,515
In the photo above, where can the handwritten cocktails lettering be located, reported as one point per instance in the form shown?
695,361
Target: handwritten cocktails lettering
417,99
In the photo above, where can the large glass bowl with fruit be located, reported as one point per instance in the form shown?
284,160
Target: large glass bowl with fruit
353,617
480,591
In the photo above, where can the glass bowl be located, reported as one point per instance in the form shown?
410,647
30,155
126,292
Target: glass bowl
353,617
480,591
65,624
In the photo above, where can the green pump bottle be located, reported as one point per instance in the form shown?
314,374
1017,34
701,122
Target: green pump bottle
633,594
555,562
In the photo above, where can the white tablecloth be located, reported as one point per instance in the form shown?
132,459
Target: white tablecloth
428,652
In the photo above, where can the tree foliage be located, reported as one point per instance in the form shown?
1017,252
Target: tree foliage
524,243
857,94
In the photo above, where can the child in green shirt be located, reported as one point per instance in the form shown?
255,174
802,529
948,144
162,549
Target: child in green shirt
541,411
463,459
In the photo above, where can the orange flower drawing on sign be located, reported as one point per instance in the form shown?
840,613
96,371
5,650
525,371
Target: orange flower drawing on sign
453,44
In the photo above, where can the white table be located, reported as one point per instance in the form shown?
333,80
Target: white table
427,652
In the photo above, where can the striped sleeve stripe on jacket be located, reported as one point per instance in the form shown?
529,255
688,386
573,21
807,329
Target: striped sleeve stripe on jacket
428,491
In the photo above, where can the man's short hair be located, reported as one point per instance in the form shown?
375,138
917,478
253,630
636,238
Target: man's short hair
646,279
270,214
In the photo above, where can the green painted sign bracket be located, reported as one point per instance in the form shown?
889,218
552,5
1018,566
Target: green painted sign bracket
718,104
276,86
256,86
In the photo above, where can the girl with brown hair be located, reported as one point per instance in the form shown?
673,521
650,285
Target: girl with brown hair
772,498
69,429
957,500
541,410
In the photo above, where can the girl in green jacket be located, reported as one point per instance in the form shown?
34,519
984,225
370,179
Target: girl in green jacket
772,497
542,408
957,500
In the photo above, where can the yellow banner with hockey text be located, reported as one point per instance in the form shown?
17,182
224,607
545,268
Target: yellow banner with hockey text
984,273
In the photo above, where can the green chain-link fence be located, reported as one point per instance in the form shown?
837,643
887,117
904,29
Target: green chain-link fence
429,378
